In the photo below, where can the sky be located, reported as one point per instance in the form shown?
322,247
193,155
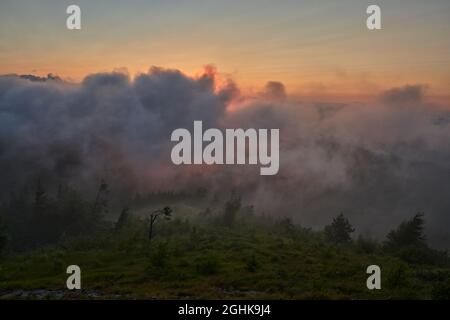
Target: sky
316,48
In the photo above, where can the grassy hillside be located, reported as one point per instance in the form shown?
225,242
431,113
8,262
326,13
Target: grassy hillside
188,260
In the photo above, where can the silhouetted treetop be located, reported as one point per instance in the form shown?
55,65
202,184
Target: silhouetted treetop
338,232
408,233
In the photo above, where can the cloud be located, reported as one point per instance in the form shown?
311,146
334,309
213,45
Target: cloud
378,162
406,95
105,124
275,90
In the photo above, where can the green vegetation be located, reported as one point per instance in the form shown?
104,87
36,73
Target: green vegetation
223,252
339,232
3,236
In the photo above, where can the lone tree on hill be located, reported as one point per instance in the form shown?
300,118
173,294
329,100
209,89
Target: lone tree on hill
165,212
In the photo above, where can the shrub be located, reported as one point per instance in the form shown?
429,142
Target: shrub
160,257
397,277
252,264
208,265
422,255
366,245
441,291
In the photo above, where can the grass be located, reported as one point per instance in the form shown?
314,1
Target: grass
218,263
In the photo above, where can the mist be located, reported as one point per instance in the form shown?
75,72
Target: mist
379,162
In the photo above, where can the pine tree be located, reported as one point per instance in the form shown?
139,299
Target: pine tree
408,234
100,205
40,200
123,219
232,207
339,231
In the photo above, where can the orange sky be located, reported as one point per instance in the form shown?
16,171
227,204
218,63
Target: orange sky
314,49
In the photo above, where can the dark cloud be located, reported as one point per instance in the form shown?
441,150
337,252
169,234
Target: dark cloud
105,125
275,90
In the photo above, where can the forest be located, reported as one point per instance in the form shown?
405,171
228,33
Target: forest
193,244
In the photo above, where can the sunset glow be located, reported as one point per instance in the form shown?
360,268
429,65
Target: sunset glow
315,50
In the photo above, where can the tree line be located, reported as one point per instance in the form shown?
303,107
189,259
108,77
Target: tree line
31,220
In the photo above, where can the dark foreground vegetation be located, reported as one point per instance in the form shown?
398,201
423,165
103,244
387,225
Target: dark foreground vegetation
174,246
